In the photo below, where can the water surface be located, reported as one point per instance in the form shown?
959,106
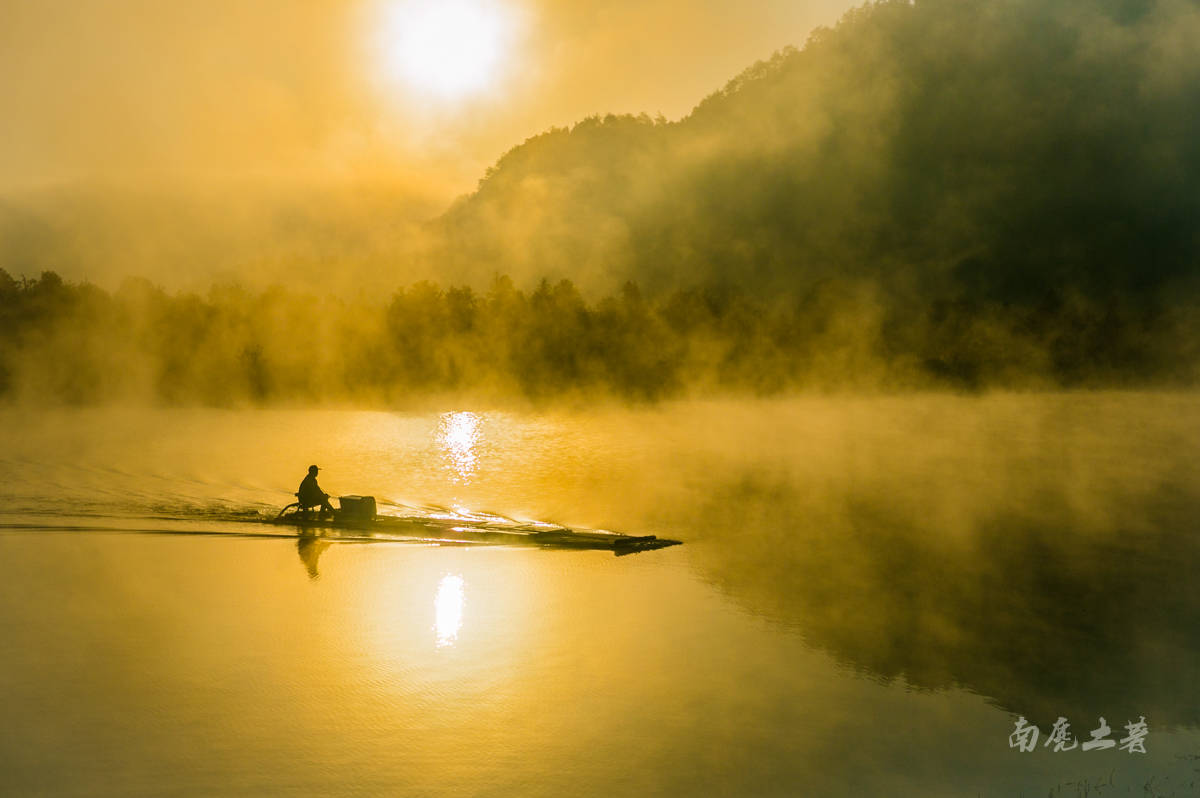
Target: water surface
871,591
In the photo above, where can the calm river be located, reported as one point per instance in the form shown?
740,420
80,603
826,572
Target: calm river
870,593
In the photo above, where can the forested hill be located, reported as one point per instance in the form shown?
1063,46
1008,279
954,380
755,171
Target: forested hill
965,194
998,150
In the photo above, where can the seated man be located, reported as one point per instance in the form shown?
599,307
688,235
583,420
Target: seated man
311,495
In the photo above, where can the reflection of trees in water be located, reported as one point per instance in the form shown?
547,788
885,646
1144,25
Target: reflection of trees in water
1042,611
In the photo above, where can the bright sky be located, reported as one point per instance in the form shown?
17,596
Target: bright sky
423,93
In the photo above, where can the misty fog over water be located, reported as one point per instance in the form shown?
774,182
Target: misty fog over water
863,582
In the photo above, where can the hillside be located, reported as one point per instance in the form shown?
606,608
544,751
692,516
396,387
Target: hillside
998,150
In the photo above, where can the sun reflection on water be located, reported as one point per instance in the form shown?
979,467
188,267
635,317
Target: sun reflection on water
458,437
449,609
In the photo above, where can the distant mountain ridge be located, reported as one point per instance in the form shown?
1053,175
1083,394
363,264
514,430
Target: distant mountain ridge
1001,148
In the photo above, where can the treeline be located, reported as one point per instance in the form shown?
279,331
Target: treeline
78,344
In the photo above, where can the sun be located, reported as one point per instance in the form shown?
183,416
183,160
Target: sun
445,49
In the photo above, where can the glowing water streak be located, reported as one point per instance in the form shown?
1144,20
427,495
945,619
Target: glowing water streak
458,437
448,610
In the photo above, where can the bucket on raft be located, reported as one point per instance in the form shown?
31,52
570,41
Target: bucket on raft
357,508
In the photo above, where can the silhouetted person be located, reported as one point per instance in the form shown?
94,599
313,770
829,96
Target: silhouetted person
311,495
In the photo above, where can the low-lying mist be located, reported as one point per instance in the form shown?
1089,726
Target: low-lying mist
79,344
1036,549
342,239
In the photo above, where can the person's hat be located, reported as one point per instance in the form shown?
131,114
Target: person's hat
313,468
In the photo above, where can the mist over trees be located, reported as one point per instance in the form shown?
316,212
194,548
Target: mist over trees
78,344
987,149
340,238
947,193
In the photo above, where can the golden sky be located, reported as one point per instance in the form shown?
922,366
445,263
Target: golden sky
349,90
